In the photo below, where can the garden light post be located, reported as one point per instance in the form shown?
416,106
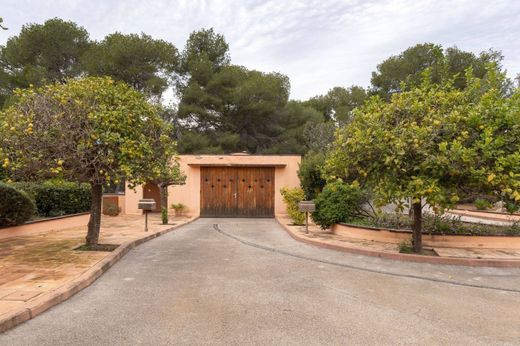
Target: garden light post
306,206
147,205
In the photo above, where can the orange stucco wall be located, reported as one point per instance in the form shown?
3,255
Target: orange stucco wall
54,224
286,168
132,197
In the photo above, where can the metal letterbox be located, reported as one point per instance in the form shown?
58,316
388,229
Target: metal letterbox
306,206
146,204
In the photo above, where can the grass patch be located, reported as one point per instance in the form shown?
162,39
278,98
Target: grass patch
406,247
98,247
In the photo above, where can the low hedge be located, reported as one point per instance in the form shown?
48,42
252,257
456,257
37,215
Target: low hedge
338,202
57,198
16,207
291,198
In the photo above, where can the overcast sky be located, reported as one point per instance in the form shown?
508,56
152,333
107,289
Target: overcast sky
319,44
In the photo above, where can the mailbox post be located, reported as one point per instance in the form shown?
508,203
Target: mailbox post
306,206
147,205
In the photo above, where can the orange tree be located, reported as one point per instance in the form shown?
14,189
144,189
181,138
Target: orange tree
90,130
165,166
431,144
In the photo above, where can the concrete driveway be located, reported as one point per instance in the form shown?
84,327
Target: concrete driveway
247,282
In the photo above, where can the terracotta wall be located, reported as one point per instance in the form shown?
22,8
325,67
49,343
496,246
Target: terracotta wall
286,167
54,224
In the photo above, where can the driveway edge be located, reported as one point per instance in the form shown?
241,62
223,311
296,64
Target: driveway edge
64,292
403,257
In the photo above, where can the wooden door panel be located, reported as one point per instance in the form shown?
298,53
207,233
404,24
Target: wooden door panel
238,192
255,192
218,191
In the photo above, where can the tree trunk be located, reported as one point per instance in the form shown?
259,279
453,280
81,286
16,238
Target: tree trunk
163,190
94,222
417,227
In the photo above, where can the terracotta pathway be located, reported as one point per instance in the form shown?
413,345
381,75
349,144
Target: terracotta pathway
35,264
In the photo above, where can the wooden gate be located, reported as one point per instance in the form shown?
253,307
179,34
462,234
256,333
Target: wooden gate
237,192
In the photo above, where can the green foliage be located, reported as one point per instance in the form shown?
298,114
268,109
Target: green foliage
16,206
337,105
513,230
437,224
409,66
56,198
291,198
112,210
385,220
249,104
433,142
179,208
209,142
512,207
286,134
405,246
445,224
312,180
318,135
90,130
228,108
339,202
482,204
41,54
138,60
205,52
164,215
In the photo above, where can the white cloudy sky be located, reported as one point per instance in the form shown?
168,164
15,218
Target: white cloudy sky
319,44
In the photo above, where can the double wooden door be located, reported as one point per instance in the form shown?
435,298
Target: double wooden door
237,192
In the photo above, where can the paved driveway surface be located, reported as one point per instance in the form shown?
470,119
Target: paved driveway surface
247,282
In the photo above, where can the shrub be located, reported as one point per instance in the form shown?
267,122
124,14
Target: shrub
338,202
482,204
112,210
16,206
291,198
438,224
179,208
513,230
311,179
511,207
56,198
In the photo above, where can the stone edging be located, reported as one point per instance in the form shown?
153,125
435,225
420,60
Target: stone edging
485,211
404,257
43,220
64,292
31,222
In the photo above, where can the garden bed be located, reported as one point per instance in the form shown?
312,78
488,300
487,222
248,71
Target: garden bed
399,236
438,225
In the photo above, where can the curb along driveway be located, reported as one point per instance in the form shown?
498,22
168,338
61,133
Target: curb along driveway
245,281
